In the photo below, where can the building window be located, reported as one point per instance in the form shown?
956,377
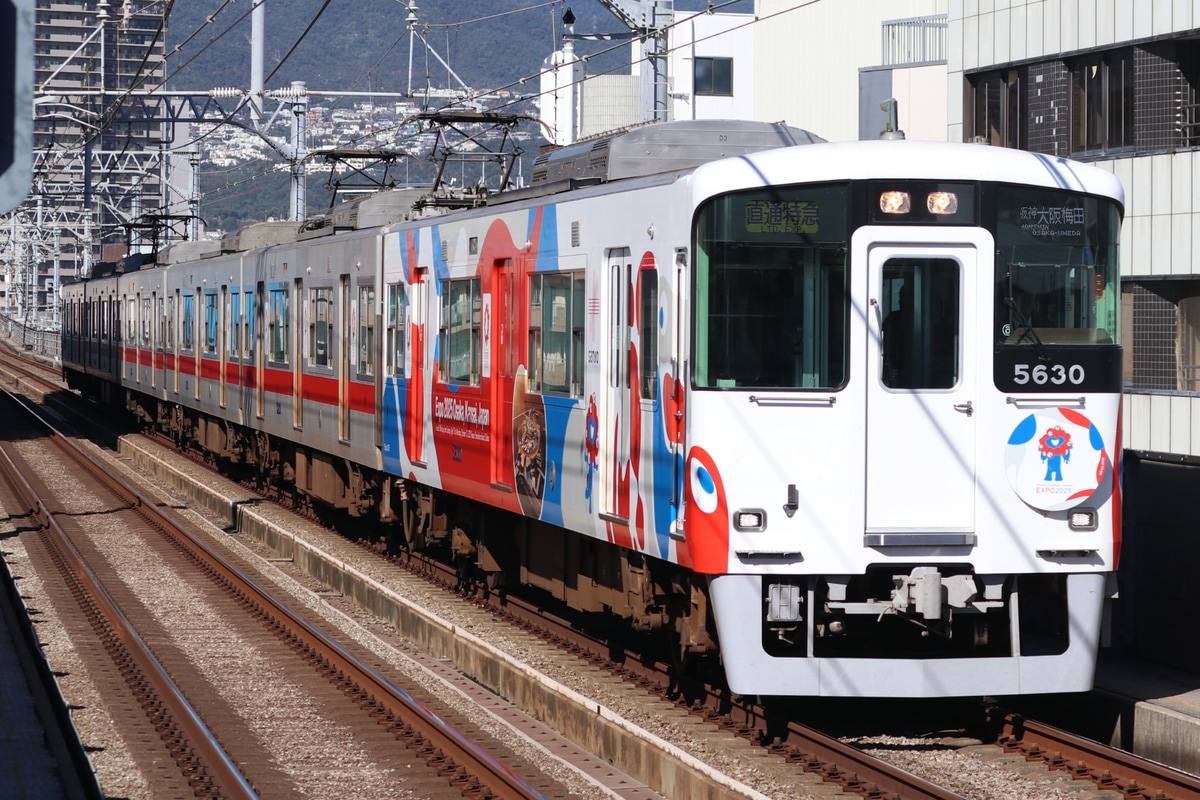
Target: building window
1102,102
999,112
713,76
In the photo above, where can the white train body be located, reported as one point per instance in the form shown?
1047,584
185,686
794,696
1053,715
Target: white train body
887,442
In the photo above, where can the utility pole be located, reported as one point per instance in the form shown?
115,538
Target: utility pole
298,205
648,20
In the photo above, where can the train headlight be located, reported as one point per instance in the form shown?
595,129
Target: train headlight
750,519
894,202
1082,519
942,203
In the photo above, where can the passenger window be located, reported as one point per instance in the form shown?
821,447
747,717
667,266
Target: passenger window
319,327
920,307
556,319
459,332
396,323
648,332
278,325
189,321
210,323
366,330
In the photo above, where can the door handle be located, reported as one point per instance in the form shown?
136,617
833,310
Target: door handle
967,408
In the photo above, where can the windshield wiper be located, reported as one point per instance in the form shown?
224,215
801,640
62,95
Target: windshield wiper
1026,329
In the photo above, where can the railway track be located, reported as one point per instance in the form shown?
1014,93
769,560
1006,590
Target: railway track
836,762
1086,759
204,765
41,732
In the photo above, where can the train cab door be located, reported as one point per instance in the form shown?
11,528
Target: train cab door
922,390
502,354
615,423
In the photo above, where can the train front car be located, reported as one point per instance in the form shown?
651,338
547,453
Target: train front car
903,424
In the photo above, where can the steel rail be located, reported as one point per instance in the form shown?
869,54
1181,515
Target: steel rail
396,707
1086,759
183,723
838,763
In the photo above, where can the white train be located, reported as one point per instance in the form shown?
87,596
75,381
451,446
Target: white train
845,415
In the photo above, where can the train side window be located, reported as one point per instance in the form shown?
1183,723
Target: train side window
210,322
648,332
161,316
366,330
187,342
169,335
145,320
459,332
277,326
396,324
556,304
131,322
248,324
320,302
233,312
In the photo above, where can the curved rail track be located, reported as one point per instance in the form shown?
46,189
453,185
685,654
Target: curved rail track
202,761
466,767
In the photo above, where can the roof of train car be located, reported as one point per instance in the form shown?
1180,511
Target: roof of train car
905,159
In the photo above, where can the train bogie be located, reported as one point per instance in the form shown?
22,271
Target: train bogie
855,403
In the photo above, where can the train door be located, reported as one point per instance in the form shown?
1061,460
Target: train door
177,336
160,341
503,368
246,353
614,431
223,349
414,371
921,388
140,338
346,343
233,344
260,357
300,317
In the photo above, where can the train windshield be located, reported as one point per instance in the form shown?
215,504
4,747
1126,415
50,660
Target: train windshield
1057,269
770,289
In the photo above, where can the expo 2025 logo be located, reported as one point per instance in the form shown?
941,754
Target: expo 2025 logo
1056,459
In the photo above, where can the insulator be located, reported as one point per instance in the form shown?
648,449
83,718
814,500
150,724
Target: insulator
225,91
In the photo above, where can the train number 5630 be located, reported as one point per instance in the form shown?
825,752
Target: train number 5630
1041,374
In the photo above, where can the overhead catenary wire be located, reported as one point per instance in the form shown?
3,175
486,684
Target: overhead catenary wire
604,51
